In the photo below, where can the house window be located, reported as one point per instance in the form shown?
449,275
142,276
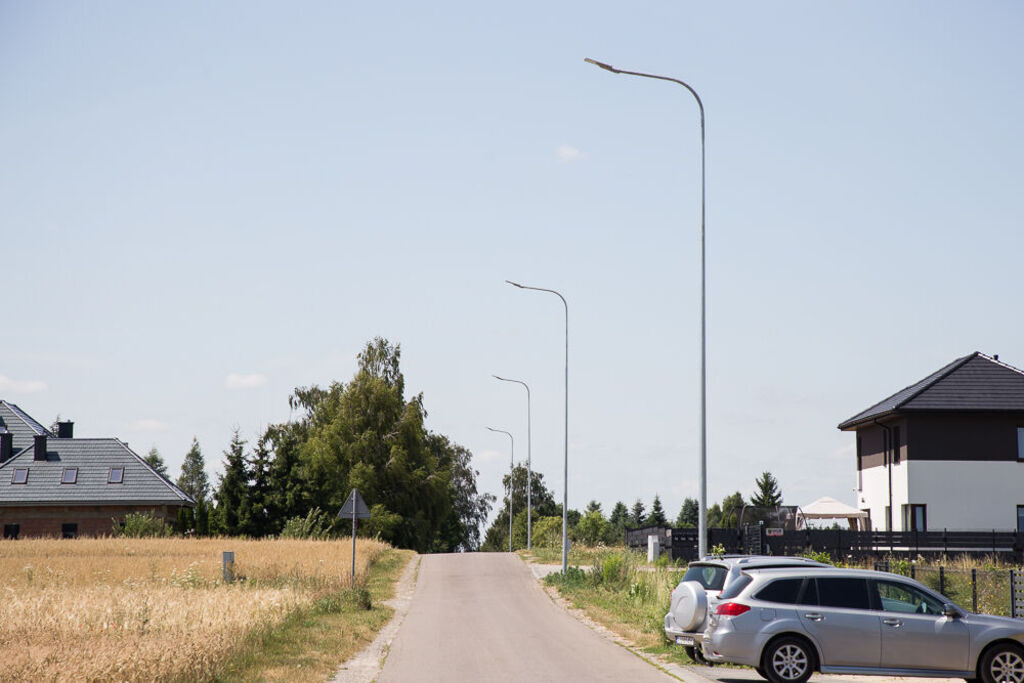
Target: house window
70,475
1020,519
896,445
20,475
1020,443
11,531
116,475
69,530
915,518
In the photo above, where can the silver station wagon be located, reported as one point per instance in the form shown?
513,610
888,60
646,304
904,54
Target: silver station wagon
788,623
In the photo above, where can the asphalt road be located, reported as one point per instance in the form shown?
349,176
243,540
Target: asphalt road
483,617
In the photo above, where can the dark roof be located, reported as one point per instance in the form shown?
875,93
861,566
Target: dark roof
141,485
16,421
974,383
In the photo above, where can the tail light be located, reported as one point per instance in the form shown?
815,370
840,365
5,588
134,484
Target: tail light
731,609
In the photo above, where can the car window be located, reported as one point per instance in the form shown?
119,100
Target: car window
848,593
709,576
781,590
810,594
895,596
736,587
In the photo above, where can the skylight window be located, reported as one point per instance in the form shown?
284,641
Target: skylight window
70,475
116,475
20,475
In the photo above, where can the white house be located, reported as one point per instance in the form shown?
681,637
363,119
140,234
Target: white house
946,452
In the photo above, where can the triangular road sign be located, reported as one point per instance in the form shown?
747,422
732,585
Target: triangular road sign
354,507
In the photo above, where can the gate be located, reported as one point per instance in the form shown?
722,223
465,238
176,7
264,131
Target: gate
1017,593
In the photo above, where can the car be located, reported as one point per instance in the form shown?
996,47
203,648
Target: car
789,623
701,584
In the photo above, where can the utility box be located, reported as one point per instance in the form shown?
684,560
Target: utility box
653,547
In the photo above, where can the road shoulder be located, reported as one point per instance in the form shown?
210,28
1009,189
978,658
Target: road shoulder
366,665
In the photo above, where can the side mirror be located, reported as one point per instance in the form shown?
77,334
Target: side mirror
952,611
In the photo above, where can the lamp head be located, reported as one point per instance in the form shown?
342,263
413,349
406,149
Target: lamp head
496,377
514,284
606,67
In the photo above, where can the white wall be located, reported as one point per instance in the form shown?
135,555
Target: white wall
874,494
960,495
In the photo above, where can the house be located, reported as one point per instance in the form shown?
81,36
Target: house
946,452
57,485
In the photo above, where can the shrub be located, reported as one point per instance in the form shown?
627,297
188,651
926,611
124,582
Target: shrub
142,525
317,525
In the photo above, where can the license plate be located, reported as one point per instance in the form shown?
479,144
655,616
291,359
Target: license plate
684,640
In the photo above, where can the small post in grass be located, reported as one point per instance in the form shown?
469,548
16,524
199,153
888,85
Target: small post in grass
228,566
354,508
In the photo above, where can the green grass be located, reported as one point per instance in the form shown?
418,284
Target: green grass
311,643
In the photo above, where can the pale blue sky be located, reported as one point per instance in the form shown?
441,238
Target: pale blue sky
200,196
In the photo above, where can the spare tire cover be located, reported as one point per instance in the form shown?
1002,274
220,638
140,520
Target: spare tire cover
692,605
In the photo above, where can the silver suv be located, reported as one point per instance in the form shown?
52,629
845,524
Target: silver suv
788,623
704,579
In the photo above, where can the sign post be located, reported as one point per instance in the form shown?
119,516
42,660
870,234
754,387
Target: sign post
355,508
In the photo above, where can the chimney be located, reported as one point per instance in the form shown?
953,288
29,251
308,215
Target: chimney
6,446
39,452
65,430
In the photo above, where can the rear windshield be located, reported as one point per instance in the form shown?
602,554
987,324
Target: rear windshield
709,576
736,587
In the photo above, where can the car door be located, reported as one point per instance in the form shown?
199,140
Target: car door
837,613
916,634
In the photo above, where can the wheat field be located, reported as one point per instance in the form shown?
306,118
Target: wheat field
154,609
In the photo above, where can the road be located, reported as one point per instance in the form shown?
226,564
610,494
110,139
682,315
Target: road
483,617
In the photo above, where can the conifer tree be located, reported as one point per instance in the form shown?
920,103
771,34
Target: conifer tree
193,479
154,460
657,515
636,516
767,494
689,514
233,492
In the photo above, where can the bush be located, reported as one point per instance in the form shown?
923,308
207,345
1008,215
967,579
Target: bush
316,525
142,525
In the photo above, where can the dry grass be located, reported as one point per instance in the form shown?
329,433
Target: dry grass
154,609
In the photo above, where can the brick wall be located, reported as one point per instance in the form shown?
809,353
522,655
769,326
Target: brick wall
92,520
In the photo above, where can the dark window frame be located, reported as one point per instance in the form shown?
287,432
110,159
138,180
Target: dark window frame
73,471
1020,519
1020,443
69,530
910,516
14,476
110,475
11,531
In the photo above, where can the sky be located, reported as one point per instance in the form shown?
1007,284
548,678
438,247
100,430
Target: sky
206,205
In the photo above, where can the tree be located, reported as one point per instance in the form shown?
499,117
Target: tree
469,509
592,506
258,522
592,527
617,522
689,514
496,538
193,479
636,516
657,515
732,507
767,494
154,460
232,513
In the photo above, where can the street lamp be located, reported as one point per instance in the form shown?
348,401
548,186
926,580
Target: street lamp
702,543
511,475
565,475
529,470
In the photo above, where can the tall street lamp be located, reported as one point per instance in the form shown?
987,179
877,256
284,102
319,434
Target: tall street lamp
702,543
529,470
565,475
511,475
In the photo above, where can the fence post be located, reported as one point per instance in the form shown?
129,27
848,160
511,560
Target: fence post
942,579
913,570
974,590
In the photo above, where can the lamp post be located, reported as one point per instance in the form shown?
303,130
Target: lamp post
702,543
511,472
565,471
529,468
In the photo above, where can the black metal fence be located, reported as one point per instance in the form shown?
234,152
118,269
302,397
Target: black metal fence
839,543
992,591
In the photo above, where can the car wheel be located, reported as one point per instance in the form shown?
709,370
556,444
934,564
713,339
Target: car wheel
788,660
761,672
1004,663
697,655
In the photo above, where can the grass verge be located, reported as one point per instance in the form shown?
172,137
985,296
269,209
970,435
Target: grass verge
625,594
311,643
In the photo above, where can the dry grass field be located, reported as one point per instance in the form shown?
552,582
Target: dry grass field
154,609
